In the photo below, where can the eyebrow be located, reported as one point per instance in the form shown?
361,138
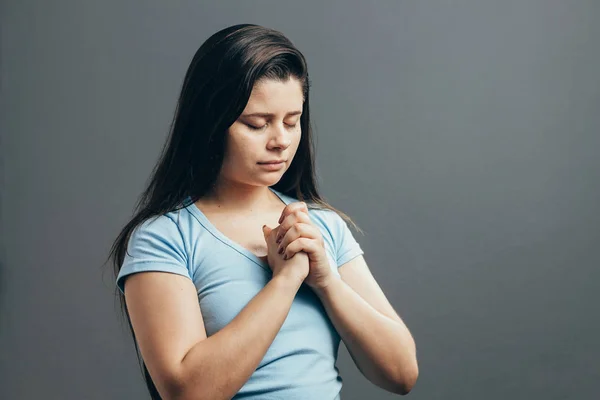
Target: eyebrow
268,115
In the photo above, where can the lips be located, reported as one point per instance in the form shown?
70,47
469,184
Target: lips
272,162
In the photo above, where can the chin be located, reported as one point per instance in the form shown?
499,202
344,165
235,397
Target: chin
269,181
272,182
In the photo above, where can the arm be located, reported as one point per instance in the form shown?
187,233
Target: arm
377,339
182,361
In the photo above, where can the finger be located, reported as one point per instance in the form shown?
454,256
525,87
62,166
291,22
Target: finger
297,231
267,231
302,244
290,208
292,219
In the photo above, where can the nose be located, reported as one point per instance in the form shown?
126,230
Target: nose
280,138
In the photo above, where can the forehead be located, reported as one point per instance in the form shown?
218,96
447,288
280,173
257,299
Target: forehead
269,95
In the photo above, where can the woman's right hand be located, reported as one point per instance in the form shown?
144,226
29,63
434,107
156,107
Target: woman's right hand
296,268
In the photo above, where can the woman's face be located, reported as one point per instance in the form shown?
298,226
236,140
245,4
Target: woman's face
267,130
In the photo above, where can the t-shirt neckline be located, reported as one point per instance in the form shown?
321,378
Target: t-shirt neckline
205,222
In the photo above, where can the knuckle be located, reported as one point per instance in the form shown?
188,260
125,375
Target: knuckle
289,250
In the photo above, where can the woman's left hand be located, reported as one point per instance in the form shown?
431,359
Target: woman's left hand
298,233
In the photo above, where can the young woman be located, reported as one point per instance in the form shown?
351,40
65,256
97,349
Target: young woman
249,277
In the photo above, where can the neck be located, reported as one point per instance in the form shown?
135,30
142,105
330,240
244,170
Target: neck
239,197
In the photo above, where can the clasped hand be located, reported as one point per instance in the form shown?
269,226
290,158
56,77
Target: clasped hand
297,233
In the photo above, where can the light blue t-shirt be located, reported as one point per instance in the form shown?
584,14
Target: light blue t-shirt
300,363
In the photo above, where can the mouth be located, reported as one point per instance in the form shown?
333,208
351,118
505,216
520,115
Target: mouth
272,166
273,162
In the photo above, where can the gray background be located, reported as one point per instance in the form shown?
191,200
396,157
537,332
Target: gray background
462,136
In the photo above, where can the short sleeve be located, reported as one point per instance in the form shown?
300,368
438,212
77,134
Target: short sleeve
155,245
346,246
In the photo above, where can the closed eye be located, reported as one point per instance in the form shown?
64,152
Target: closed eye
256,128
259,128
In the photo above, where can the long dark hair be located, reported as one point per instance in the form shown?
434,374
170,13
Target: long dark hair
215,91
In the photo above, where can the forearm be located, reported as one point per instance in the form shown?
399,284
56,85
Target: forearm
382,348
218,366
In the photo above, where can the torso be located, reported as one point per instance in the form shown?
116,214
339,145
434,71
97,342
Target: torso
246,230
300,363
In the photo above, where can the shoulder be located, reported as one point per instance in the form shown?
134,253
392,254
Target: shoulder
159,232
177,231
167,225
330,221
337,235
156,244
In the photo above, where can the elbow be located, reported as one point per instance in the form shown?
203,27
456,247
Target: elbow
409,380
404,381
172,389
177,392
406,374
192,389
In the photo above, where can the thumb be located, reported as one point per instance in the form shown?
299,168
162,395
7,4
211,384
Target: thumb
266,231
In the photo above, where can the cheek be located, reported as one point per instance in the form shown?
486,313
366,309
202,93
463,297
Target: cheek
297,136
241,147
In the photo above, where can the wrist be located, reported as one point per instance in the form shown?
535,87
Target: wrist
288,280
327,285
